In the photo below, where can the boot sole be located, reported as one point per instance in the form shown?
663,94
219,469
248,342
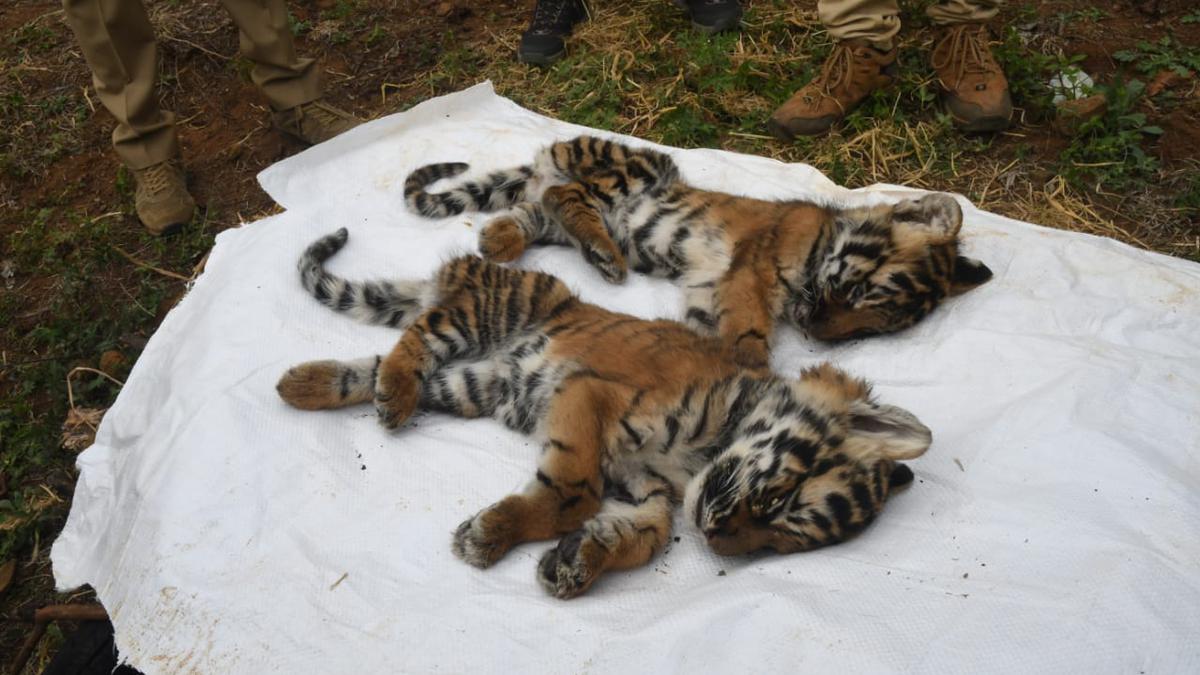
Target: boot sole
989,121
294,137
541,59
719,27
982,124
168,231
781,132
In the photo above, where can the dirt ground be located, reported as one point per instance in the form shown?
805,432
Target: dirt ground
85,287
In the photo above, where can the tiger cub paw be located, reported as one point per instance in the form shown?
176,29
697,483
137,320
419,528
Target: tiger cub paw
310,386
569,569
396,395
607,260
483,539
751,351
502,240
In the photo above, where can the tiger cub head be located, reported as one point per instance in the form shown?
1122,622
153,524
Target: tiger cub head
884,268
811,465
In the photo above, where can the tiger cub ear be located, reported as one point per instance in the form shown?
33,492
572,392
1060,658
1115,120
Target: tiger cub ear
968,273
879,430
901,476
937,215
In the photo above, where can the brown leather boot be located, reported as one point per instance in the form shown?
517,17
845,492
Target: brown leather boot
853,70
314,122
974,87
162,200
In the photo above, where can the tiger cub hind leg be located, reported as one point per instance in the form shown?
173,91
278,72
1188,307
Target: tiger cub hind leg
320,385
502,240
505,238
567,488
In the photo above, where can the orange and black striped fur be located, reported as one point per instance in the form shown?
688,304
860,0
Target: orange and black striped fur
835,272
636,417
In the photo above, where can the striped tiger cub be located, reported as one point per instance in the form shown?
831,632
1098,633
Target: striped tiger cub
836,273
635,417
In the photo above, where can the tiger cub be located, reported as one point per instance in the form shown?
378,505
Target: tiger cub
835,272
635,418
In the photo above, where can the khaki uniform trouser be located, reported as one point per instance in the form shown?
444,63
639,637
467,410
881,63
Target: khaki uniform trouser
878,21
118,44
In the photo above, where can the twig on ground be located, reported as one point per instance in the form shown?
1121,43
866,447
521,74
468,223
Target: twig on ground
43,617
144,265
71,390
206,50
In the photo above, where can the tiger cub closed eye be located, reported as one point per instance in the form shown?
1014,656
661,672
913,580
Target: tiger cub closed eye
743,263
635,417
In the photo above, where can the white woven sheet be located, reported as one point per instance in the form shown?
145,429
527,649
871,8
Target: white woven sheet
1054,525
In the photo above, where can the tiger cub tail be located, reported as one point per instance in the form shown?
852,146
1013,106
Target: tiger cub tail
395,303
497,191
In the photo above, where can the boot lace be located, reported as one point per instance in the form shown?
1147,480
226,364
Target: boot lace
837,69
157,178
967,53
324,114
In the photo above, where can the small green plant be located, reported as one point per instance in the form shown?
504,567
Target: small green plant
1188,198
242,66
1165,54
296,26
1194,17
377,33
1107,151
341,11
1029,72
124,182
1091,14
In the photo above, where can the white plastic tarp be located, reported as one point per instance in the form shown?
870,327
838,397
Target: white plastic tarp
1054,525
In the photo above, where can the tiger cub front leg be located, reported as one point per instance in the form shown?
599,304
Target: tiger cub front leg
744,318
566,490
579,214
699,293
623,535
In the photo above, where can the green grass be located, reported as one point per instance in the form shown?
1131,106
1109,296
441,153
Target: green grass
53,114
85,312
1187,198
33,38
